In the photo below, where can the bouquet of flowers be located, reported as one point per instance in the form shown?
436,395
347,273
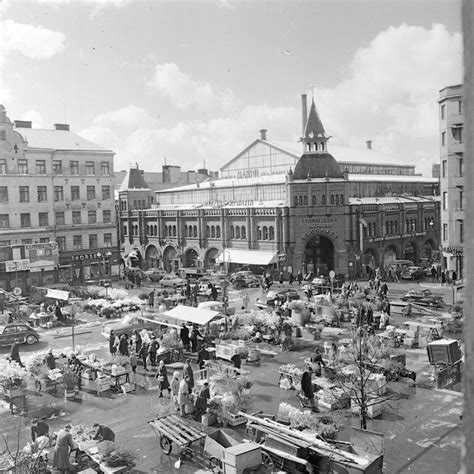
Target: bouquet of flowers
291,369
12,376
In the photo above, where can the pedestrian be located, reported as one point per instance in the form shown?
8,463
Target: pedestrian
214,293
133,362
175,389
184,336
188,372
203,356
183,395
38,428
143,354
299,278
50,361
138,280
236,359
58,312
64,445
307,390
291,278
15,352
162,377
433,273
281,279
201,401
317,361
152,350
384,318
123,345
138,343
195,335
383,289
113,342
454,277
443,278
246,301
151,298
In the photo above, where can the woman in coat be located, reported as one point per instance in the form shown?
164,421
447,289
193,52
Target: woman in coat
162,377
201,401
123,345
175,389
188,372
62,450
113,343
183,395
143,354
307,389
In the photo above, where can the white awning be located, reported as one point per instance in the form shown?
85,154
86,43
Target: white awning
191,315
57,294
250,257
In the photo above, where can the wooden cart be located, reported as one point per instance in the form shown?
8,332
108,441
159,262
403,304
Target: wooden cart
173,429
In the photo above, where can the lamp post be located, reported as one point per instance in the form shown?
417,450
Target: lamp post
225,298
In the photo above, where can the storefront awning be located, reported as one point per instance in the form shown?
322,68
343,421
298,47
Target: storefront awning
191,315
250,257
38,265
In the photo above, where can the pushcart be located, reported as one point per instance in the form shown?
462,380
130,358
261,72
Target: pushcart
172,429
214,446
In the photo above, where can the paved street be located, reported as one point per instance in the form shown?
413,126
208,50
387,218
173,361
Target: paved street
421,425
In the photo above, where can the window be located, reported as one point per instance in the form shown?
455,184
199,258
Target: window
43,219
445,231
461,167
243,232
61,241
460,107
58,193
296,201
40,166
443,139
445,200
237,232
3,194
90,193
77,242
57,167
93,241
259,233
300,200
74,167
461,200
91,217
208,231
42,194
76,217
444,169
59,217
105,192
186,230
341,199
24,194
23,166
232,232
3,134
125,230
107,240
90,168
218,231
3,166
271,233
107,216
457,134
213,232
443,111
314,201
332,199
174,231
25,220
4,221
195,231
104,168
461,231
323,200
265,233
305,200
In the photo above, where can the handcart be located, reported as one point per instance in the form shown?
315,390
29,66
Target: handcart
172,429
214,446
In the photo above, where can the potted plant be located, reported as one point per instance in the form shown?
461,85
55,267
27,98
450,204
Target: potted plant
70,379
11,379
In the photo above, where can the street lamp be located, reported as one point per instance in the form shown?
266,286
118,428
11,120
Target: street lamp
225,298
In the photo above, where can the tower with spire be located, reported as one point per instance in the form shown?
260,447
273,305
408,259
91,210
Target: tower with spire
314,136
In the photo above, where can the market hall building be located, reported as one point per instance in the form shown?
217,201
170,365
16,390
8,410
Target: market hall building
277,209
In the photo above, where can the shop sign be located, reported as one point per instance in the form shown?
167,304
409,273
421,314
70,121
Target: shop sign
84,256
243,203
319,221
17,265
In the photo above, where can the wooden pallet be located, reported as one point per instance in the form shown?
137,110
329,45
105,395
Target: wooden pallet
177,430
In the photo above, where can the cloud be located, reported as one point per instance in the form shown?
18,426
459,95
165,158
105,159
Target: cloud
390,96
184,91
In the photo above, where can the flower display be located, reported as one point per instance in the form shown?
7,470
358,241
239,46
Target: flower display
12,376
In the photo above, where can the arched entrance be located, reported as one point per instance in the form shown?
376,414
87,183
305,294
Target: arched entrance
389,255
152,257
319,255
170,259
409,252
427,251
211,258
191,258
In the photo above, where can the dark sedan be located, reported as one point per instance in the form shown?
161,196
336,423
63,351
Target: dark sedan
127,325
20,331
423,297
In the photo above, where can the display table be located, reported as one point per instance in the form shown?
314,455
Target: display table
41,319
89,448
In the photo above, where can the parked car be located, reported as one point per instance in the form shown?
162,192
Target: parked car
171,280
423,297
272,297
154,274
412,273
21,331
127,325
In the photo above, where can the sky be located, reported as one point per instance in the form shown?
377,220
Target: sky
192,82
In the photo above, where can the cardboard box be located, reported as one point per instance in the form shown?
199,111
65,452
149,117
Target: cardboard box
209,419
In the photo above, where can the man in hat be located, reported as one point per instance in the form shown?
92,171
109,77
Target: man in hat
50,360
38,428
15,352
153,349
203,356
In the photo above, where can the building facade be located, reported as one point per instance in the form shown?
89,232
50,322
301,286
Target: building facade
315,216
57,218
451,119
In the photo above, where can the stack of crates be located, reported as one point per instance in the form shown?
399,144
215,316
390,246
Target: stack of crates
412,337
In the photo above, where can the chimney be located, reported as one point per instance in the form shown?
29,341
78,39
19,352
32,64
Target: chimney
369,144
61,126
304,111
22,124
263,134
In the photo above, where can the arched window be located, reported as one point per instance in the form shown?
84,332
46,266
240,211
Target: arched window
332,199
195,231
341,199
237,232
243,232
208,231
296,200
337,199
232,232
155,229
300,200
323,199
218,231
213,232
314,201
271,233
387,227
124,230
265,232
185,230
259,233
305,200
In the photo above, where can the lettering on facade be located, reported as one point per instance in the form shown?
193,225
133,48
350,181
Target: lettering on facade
317,231
17,265
244,203
319,221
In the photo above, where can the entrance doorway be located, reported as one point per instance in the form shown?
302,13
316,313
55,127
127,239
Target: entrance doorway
191,258
319,256
169,259
409,252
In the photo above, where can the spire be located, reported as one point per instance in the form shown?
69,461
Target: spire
315,137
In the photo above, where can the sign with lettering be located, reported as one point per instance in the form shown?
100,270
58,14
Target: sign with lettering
17,265
243,203
320,221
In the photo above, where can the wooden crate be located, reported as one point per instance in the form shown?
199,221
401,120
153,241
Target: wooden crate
241,456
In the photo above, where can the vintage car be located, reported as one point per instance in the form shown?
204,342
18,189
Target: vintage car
412,273
173,281
21,331
127,325
423,297
273,297
154,274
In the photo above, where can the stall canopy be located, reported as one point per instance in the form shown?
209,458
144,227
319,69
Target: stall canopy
57,294
191,315
250,257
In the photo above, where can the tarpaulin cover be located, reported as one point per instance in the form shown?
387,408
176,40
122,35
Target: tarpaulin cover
191,315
